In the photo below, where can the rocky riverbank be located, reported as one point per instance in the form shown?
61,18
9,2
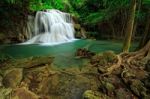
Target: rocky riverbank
38,78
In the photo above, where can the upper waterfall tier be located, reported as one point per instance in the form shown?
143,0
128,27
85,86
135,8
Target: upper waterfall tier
51,26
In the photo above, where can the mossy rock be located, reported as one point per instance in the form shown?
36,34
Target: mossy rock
138,88
89,94
33,62
77,26
12,78
110,87
110,56
5,93
107,86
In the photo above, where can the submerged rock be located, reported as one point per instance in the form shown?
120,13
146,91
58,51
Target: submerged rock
33,62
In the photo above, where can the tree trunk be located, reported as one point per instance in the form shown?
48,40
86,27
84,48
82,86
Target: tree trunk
136,20
129,27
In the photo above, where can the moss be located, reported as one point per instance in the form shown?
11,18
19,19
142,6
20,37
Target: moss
89,94
110,56
104,59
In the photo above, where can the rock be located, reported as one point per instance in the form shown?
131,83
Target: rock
2,37
110,87
89,94
83,33
84,53
7,41
77,26
12,78
5,92
122,93
110,56
1,79
34,62
23,93
148,66
138,88
36,78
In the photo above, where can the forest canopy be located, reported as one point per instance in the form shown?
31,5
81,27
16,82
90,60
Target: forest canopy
103,18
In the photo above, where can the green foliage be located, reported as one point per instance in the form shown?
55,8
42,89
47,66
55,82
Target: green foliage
94,11
95,17
36,5
89,12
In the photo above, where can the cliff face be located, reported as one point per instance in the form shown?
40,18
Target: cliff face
12,22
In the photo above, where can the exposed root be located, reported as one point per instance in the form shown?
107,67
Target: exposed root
115,66
129,59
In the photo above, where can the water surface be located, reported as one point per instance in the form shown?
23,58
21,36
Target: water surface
64,53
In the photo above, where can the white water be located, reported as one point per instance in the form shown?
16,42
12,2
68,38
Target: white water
52,27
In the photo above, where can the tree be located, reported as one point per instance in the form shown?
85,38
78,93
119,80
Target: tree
129,27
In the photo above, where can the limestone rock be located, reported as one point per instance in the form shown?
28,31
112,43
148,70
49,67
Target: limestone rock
23,93
12,78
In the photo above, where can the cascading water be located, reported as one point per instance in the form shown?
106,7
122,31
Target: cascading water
53,27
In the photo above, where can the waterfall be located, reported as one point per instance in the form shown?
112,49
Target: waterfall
51,26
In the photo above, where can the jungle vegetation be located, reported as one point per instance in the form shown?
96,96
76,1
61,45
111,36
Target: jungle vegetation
127,20
104,75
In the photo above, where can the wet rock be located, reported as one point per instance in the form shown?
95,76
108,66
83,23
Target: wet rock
89,94
110,56
122,93
36,78
89,70
33,62
12,78
106,59
106,87
1,81
84,53
110,87
138,88
23,93
5,93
